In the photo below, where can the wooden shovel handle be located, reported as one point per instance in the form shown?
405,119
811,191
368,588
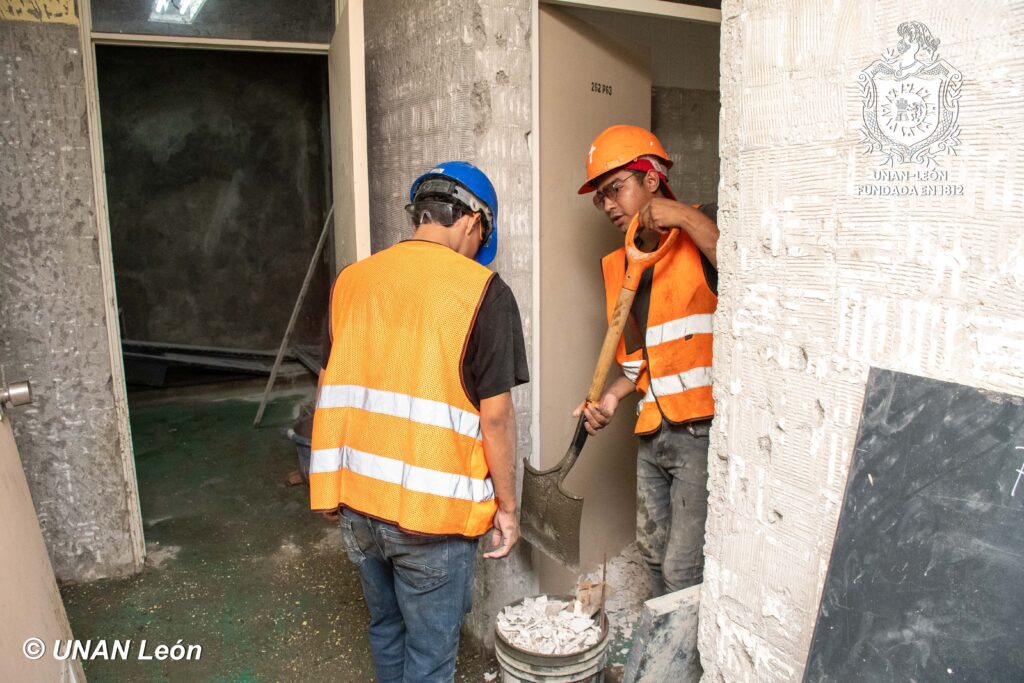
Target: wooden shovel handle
637,262
611,340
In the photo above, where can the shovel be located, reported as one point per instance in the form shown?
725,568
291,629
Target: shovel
551,516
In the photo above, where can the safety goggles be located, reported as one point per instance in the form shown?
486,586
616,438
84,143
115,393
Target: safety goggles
443,213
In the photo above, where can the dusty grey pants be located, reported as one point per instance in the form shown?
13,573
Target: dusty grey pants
672,504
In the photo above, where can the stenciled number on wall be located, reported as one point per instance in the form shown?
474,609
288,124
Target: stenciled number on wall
600,88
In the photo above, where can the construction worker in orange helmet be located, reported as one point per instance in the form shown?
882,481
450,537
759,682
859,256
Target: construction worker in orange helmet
667,358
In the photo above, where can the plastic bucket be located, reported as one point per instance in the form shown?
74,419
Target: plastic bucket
522,666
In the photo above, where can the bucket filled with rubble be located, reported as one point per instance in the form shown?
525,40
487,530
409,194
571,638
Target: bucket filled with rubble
551,638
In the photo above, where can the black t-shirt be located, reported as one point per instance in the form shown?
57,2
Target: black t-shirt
495,357
642,300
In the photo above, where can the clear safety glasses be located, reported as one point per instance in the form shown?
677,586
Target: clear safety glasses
611,190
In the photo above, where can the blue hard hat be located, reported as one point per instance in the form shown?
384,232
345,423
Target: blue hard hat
481,197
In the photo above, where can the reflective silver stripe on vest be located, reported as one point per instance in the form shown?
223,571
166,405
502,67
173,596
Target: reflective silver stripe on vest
631,369
684,381
420,410
410,477
699,323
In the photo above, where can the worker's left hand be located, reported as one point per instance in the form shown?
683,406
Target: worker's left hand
662,213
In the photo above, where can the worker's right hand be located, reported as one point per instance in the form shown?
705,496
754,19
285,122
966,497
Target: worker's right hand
598,414
505,533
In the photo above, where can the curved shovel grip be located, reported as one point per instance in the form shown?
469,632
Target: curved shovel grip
638,261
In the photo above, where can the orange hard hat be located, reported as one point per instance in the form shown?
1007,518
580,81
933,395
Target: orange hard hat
618,146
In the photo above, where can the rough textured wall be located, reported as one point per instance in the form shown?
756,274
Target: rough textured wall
216,191
686,122
450,79
818,283
52,328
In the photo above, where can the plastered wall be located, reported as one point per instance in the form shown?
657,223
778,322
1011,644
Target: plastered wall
818,283
52,325
451,80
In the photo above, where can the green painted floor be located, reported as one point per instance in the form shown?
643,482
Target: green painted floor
236,563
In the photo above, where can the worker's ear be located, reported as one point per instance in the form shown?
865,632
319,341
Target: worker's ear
651,181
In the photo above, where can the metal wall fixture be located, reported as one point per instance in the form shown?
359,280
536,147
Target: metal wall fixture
13,394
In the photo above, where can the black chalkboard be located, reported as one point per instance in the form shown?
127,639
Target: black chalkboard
926,580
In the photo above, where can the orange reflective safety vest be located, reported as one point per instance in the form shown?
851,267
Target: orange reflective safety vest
672,369
394,434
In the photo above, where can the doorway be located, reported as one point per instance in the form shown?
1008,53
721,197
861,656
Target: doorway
217,171
596,68
217,168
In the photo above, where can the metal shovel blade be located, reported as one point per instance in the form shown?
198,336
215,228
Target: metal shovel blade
550,517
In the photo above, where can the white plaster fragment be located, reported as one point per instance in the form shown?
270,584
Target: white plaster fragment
548,626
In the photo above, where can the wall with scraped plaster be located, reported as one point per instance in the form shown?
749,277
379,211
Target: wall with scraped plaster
52,327
818,283
451,80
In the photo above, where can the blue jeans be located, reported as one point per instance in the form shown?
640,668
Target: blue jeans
672,504
418,588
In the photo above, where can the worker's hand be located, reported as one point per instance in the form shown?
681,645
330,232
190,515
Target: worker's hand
330,515
598,414
505,533
662,213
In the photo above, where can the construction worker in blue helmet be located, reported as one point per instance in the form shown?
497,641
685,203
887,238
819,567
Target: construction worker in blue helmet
414,432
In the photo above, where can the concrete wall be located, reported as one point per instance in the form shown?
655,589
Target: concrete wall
818,283
451,80
216,168
52,326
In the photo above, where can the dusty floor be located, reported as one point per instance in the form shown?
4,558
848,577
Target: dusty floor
236,562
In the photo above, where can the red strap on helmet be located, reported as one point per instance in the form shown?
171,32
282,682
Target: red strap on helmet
652,164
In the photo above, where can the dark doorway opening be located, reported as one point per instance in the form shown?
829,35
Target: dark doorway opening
218,180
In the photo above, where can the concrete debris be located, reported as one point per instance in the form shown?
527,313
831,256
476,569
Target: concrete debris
549,627
490,676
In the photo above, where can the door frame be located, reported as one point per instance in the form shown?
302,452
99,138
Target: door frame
657,8
89,40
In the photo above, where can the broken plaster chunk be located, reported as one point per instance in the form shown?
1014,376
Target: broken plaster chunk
548,626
